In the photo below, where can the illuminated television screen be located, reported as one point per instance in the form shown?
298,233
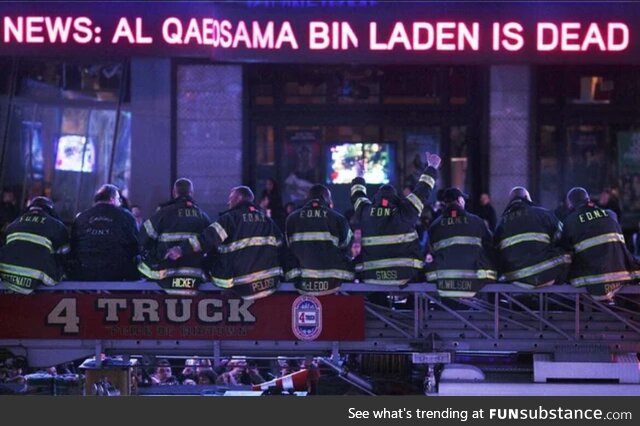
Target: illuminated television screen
76,154
373,161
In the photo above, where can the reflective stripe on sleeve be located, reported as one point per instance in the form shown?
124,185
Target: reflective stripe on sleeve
151,232
356,188
415,201
430,181
359,201
174,237
220,230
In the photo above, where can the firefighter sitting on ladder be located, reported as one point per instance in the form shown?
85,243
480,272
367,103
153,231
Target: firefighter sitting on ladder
390,248
462,248
37,244
176,221
526,239
601,261
248,243
318,238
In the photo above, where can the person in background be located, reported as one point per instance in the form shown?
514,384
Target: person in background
104,240
289,208
608,201
271,202
9,210
562,209
207,377
163,374
124,202
136,211
486,211
635,242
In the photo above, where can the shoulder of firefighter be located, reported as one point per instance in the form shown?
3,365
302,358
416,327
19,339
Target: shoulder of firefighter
317,239
36,245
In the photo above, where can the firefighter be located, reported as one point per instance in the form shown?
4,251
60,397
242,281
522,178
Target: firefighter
391,253
104,240
318,239
37,244
601,261
176,221
462,249
526,239
248,243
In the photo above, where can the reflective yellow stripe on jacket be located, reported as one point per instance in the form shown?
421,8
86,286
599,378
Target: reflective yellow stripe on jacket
313,236
175,237
453,241
602,278
27,272
390,239
463,274
431,182
249,242
31,238
402,262
320,273
537,268
523,238
612,237
257,276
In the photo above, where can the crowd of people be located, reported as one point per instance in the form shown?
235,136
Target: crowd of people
390,239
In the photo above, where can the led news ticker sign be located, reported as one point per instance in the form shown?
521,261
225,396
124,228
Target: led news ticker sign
381,32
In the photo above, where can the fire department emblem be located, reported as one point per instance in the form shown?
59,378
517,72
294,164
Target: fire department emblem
306,317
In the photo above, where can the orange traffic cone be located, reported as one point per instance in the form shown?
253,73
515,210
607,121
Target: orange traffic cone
295,381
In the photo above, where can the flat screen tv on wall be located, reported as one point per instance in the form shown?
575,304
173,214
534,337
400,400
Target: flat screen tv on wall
375,162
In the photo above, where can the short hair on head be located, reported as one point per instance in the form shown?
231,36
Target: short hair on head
183,187
105,193
320,192
577,196
519,192
245,193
